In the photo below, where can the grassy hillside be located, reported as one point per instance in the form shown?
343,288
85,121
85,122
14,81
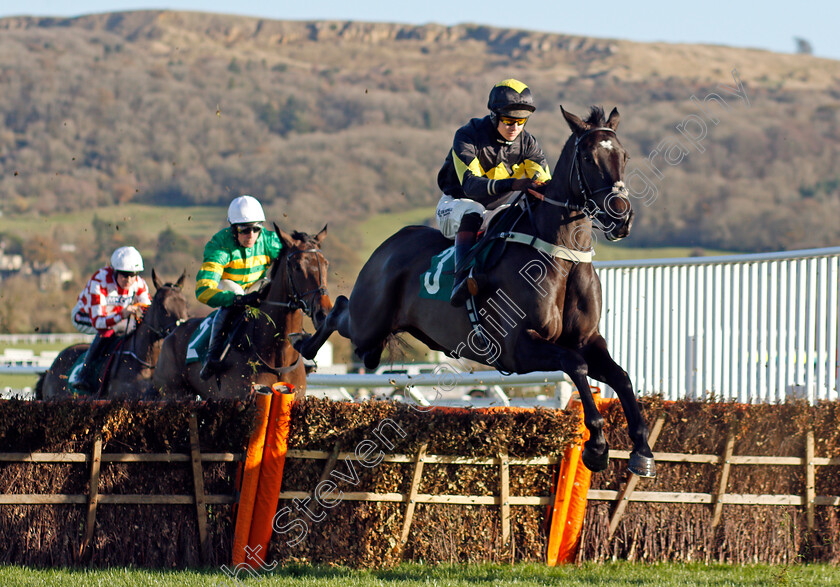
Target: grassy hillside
337,121
190,221
140,127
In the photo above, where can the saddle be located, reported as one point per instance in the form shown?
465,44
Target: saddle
100,367
437,282
199,344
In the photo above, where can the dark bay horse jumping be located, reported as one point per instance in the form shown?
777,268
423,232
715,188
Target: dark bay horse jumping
263,354
129,370
538,308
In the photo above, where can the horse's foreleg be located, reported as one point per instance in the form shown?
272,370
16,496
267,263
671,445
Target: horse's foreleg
337,319
603,368
534,353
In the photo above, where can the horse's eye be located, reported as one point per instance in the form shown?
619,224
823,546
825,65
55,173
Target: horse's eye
588,158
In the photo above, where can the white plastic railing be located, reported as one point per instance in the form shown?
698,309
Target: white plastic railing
747,328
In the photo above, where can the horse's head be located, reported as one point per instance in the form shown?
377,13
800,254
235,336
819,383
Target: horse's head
590,173
299,277
169,306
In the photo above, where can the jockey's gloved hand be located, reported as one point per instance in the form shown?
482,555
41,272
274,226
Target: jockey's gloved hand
522,184
249,299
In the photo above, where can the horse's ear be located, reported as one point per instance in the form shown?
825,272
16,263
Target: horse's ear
180,283
155,280
286,239
576,124
612,121
321,235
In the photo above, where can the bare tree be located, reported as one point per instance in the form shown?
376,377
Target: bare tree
803,46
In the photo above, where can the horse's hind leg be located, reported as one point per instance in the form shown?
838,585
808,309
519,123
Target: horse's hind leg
337,320
371,356
603,368
534,353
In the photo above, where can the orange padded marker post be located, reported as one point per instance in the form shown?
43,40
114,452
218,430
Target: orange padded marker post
576,489
250,477
563,492
576,508
271,471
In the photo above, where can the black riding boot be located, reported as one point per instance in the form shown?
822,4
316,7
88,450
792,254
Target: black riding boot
87,379
218,331
464,241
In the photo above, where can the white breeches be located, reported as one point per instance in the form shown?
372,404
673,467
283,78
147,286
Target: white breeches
451,210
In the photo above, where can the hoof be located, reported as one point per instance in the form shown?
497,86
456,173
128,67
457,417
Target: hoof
595,462
642,466
299,342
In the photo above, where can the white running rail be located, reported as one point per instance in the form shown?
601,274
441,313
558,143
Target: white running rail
746,328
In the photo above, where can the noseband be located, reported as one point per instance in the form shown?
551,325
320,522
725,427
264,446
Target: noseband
158,335
589,207
163,333
301,300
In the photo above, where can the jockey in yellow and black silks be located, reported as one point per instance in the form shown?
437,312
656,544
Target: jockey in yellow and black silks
235,260
491,157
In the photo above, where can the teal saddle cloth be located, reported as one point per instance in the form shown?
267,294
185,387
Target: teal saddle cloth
199,344
200,340
437,282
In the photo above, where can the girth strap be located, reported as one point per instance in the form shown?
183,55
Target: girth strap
556,251
475,322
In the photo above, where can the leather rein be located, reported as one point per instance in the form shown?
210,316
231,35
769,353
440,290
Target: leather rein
297,301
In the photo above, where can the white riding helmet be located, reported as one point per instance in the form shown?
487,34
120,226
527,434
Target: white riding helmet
127,259
245,209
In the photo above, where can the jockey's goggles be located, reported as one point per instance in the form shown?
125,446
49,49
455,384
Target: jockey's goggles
507,121
127,274
249,229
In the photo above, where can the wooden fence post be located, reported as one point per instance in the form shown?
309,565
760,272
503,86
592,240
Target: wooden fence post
329,466
624,495
724,479
93,495
198,488
412,493
505,498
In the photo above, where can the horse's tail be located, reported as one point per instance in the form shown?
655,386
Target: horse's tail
397,347
39,386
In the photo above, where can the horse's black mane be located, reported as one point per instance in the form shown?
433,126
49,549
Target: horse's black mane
596,116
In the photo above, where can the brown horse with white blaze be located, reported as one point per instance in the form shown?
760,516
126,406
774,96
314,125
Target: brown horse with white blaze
262,354
538,308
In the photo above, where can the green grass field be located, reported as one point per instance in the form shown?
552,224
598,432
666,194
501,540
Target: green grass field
379,227
201,221
195,221
409,575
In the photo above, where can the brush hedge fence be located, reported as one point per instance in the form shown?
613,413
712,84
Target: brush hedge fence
371,484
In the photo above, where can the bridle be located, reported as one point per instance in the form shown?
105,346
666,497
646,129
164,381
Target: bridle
159,333
298,300
589,207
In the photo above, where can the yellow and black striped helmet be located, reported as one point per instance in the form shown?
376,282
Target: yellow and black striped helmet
512,98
